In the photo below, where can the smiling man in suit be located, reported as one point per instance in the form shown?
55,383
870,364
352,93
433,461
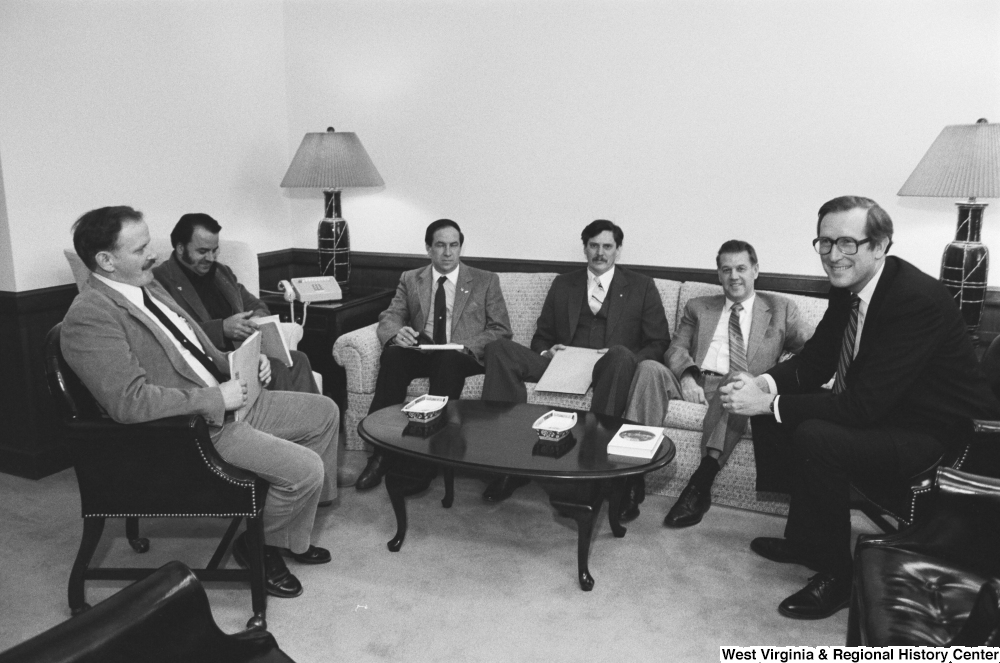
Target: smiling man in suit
718,337
444,302
906,386
605,307
143,358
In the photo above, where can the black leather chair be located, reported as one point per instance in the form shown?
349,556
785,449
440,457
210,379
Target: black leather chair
164,618
936,583
167,468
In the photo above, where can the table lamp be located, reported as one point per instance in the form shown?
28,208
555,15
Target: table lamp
332,161
964,162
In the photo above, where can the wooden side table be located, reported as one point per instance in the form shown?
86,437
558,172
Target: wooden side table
325,322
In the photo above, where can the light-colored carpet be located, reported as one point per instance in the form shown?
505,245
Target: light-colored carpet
477,582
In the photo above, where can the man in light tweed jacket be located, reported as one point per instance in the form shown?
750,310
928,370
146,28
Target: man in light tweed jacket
444,302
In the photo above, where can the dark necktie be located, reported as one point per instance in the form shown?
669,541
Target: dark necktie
737,350
847,349
184,340
441,313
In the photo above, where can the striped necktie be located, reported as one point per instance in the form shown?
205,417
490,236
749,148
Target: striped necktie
737,350
597,297
847,349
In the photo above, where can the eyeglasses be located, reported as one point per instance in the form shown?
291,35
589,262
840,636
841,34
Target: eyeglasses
846,245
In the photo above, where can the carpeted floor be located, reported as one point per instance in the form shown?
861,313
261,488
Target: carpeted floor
477,582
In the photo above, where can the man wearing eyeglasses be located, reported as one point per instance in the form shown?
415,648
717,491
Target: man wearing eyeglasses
906,385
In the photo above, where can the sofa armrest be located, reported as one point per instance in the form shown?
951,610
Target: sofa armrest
960,524
358,352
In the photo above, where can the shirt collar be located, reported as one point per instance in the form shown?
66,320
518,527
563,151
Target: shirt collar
866,292
130,292
451,276
604,278
747,304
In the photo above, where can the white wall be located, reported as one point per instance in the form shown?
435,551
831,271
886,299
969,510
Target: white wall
165,105
689,123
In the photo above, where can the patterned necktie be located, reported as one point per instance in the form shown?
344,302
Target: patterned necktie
597,298
441,313
737,350
847,349
184,340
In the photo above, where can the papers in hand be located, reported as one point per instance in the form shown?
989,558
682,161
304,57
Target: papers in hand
440,346
244,364
636,441
570,371
272,341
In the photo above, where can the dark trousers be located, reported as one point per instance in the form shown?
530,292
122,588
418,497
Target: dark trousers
446,369
825,459
509,365
297,378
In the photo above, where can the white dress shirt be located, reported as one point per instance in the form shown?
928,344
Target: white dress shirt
604,279
717,357
134,295
449,299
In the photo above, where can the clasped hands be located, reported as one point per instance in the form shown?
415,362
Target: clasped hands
234,392
746,395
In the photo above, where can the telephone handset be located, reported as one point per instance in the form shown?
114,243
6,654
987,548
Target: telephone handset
311,289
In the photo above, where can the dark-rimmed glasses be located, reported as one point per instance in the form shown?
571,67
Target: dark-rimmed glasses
846,245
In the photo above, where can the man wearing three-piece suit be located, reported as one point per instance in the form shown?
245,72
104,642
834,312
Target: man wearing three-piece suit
604,307
906,386
143,358
444,302
718,337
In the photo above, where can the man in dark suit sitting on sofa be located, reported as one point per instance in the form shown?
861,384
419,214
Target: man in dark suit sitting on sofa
603,306
906,387
444,302
719,336
208,291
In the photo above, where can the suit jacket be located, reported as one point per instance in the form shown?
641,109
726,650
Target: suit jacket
635,313
130,365
775,328
174,278
478,315
915,368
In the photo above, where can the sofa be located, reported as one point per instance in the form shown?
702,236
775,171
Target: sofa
358,352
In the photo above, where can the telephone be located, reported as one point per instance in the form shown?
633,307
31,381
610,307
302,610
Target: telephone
311,289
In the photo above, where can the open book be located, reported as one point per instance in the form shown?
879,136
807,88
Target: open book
244,364
272,341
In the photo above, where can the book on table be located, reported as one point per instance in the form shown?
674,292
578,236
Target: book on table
636,441
244,364
272,341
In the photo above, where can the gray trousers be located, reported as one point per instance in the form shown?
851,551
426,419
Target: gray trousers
297,378
289,439
655,385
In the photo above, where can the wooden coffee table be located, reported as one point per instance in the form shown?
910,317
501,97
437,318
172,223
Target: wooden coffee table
484,436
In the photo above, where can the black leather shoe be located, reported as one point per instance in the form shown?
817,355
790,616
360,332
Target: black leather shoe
278,580
824,595
635,494
502,487
372,475
781,551
689,507
315,555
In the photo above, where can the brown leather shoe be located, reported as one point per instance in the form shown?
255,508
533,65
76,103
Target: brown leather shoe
278,580
824,595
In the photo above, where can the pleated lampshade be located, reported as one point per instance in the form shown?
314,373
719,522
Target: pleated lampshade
964,162
331,160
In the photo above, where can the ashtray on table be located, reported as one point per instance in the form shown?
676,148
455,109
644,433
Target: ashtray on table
554,448
426,408
554,426
425,429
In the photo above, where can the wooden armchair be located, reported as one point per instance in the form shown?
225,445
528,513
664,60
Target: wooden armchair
167,468
161,619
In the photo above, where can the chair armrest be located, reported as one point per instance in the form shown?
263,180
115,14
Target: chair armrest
963,516
986,426
358,352
293,333
168,466
983,625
